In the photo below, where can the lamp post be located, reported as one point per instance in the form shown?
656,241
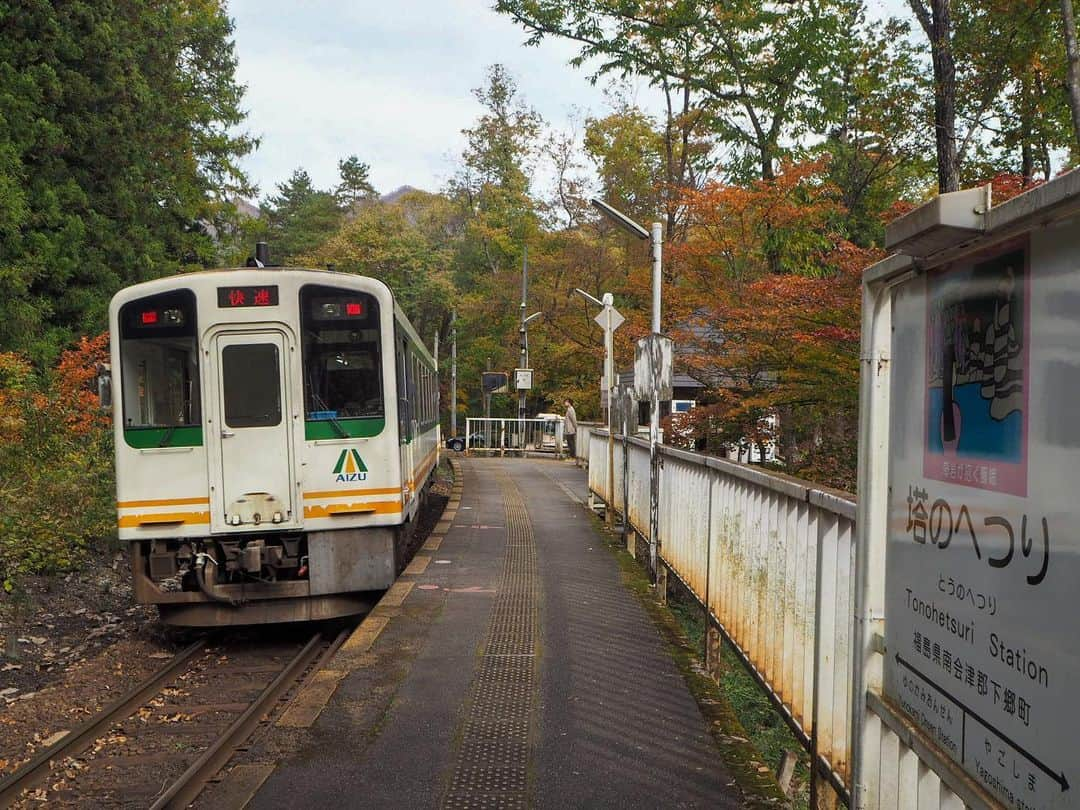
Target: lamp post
453,374
655,236
523,339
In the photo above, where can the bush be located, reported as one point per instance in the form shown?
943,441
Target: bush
56,464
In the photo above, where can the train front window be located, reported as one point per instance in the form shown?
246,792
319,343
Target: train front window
343,392
159,362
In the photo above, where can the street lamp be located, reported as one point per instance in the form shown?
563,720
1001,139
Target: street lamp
655,235
523,337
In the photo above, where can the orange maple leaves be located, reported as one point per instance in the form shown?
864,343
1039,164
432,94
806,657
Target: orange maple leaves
65,395
767,299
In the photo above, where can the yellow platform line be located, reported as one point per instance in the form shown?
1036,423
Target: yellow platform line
432,544
396,595
364,635
418,565
308,705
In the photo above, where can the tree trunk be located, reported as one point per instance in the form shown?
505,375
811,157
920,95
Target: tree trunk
1027,153
768,171
945,98
1073,81
937,23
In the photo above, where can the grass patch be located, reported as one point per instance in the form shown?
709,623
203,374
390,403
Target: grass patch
765,727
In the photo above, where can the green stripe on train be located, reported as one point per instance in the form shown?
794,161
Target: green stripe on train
320,429
145,438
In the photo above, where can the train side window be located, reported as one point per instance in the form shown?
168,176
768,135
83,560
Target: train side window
159,371
343,388
404,424
251,377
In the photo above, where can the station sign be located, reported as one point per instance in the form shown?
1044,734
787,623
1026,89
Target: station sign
982,562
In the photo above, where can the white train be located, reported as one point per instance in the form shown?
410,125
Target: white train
276,430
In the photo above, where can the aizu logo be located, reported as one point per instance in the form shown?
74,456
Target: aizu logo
350,467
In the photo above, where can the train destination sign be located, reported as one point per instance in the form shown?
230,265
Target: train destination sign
264,295
982,554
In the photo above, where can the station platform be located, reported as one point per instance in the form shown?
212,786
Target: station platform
509,667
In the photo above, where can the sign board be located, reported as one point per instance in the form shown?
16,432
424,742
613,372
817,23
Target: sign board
983,556
653,367
610,318
523,379
494,382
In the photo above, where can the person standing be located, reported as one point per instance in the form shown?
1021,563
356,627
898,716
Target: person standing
570,427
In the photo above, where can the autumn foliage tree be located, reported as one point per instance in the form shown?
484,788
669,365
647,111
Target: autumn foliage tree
56,472
767,314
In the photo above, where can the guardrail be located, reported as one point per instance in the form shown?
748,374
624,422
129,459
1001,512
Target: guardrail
584,434
772,560
514,436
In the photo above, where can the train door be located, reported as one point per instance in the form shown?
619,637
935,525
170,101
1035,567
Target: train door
406,413
255,479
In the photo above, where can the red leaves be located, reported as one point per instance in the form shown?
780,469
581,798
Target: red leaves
1007,185
66,396
73,383
768,308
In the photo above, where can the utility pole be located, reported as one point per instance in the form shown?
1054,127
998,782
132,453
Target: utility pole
487,396
438,396
657,236
453,373
522,334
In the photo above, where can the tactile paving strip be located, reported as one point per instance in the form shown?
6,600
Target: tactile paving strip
493,760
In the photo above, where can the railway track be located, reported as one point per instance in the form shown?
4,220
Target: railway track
159,745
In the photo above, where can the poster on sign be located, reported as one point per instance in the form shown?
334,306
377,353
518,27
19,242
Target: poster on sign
982,557
977,379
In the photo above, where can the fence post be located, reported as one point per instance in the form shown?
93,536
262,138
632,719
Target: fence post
816,782
712,633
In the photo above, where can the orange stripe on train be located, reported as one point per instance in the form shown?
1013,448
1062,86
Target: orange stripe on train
163,502
164,519
343,493
362,508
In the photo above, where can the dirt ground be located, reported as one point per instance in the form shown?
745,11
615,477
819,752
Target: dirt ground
68,646
71,644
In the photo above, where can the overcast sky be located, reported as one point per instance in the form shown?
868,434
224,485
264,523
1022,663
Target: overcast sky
390,82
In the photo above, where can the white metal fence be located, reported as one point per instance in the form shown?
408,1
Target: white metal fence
514,436
773,558
581,448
